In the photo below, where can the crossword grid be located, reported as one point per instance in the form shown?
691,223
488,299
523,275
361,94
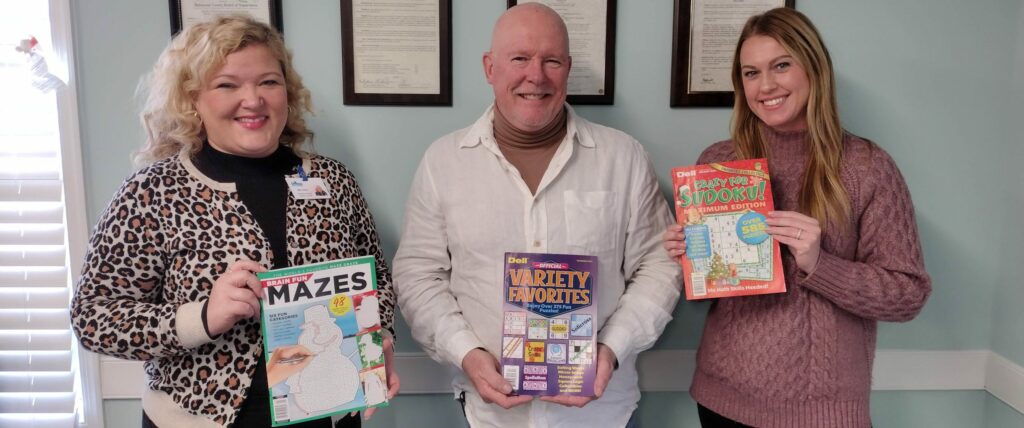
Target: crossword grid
752,261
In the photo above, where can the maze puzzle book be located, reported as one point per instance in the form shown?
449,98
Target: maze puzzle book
323,340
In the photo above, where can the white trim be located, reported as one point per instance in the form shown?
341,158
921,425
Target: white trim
121,378
425,376
671,370
1005,380
62,31
929,370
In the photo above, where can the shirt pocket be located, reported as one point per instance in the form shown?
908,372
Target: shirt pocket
590,220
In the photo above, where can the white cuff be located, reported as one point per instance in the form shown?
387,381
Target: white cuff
188,325
458,345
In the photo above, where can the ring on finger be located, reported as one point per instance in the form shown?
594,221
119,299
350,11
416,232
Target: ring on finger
799,232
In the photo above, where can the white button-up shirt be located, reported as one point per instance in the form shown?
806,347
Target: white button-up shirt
468,205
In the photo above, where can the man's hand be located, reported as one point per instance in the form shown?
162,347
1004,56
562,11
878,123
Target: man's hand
605,367
482,369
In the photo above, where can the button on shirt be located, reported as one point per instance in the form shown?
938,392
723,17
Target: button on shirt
468,206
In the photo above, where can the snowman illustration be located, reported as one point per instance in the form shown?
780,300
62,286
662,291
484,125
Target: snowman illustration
371,351
330,379
366,314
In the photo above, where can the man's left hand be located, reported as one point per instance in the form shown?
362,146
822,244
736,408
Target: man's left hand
605,367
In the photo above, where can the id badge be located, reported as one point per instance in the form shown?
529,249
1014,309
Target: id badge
308,188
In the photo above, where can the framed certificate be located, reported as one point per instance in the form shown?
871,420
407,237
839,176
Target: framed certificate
187,12
591,26
397,53
704,35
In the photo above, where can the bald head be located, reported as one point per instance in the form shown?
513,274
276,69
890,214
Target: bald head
528,65
532,15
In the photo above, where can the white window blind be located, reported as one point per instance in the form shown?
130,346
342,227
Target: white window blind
37,375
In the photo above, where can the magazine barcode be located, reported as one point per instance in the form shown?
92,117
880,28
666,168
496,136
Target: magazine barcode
281,409
698,282
511,374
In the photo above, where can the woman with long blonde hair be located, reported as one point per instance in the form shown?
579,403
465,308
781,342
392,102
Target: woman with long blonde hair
851,254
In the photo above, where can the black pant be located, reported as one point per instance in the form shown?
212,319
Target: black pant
710,419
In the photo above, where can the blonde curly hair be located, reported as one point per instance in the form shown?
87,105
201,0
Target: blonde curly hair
169,116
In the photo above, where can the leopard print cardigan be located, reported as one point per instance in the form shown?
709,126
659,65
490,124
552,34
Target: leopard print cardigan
166,236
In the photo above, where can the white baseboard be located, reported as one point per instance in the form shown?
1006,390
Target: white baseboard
1005,380
672,370
929,370
121,379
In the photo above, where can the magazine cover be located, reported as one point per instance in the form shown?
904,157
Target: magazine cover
722,208
322,340
549,342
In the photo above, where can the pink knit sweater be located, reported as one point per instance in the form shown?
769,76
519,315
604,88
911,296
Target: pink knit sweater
803,358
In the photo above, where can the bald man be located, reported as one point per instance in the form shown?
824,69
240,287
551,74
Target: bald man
532,176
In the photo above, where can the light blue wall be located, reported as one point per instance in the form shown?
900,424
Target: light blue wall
1008,318
927,80
1000,415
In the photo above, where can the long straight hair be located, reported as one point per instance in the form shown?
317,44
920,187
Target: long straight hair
822,194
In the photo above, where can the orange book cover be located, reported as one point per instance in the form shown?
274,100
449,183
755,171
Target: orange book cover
722,208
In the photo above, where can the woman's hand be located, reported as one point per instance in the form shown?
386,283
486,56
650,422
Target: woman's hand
389,364
802,234
286,361
235,296
674,241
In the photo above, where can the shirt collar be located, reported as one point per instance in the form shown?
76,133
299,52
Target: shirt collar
482,131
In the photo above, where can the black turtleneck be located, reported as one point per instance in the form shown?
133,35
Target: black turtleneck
261,187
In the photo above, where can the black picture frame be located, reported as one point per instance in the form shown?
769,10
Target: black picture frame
608,97
351,97
177,22
680,95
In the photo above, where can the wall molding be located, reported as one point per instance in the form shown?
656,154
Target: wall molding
1005,380
672,371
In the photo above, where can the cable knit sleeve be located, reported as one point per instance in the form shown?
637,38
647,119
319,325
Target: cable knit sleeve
886,279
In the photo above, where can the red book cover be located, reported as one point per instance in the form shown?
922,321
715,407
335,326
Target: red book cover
722,207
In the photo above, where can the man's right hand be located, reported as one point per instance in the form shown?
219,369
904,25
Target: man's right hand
482,369
674,241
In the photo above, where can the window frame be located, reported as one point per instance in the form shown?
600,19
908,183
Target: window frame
75,209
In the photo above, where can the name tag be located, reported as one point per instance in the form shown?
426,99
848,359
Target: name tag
308,188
